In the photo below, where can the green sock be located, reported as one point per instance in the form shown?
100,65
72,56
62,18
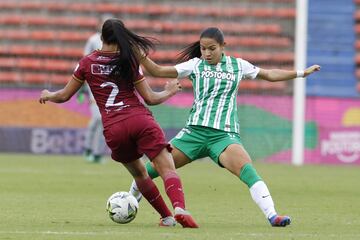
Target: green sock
249,175
151,171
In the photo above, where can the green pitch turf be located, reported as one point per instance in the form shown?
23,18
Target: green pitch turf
63,197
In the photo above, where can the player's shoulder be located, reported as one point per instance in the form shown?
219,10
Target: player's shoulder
195,61
238,59
242,61
189,63
85,59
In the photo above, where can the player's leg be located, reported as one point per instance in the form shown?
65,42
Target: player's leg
98,141
237,161
149,190
154,145
180,159
183,149
90,133
88,140
121,139
164,165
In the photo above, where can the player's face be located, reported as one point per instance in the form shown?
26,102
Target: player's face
211,50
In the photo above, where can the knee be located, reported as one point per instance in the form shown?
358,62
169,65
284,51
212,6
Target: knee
235,167
164,169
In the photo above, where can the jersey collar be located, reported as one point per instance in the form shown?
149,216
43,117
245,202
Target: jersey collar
223,58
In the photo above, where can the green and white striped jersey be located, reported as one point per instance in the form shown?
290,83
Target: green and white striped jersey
215,90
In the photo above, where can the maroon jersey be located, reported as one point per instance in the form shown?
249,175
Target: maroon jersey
116,98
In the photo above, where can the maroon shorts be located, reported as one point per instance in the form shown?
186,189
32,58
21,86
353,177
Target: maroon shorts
129,139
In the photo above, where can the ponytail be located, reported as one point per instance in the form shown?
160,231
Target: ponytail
189,52
129,44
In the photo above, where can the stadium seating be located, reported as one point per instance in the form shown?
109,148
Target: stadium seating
141,24
170,39
357,43
43,40
33,78
331,39
153,9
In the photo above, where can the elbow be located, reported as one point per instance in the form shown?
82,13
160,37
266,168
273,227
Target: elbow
154,100
148,100
270,78
151,102
65,98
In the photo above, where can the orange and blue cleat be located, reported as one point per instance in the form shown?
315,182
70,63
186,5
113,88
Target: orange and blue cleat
280,221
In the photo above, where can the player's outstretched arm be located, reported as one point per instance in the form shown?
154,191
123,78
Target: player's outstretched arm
157,70
275,75
61,95
154,98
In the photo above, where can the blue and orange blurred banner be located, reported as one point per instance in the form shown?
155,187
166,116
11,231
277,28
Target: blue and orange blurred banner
332,125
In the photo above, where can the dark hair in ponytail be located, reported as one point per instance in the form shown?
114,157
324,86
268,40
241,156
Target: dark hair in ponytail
193,50
126,63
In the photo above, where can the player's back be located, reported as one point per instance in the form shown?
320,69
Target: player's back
115,97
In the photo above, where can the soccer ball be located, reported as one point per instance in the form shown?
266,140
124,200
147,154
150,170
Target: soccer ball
122,207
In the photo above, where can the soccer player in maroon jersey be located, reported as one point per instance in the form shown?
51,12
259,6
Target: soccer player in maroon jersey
130,130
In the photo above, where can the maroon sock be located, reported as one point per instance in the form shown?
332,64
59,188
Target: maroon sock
174,190
149,190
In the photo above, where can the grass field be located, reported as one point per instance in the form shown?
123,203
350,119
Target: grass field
63,197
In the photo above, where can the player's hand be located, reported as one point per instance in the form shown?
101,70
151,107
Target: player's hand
173,86
44,96
140,54
312,69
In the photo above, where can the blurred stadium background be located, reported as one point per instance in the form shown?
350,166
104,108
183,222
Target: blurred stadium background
41,41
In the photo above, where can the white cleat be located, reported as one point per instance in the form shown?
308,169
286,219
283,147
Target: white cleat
167,222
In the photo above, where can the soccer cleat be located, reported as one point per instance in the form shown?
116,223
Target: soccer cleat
135,192
280,221
184,218
87,152
88,155
167,222
97,158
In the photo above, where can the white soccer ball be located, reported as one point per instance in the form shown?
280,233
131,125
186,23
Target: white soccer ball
122,207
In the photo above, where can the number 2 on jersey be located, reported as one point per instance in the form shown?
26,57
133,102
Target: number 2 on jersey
111,99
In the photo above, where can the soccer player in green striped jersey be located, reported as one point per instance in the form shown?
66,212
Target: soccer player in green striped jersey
212,128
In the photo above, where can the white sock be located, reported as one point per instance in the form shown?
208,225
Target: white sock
133,188
261,196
